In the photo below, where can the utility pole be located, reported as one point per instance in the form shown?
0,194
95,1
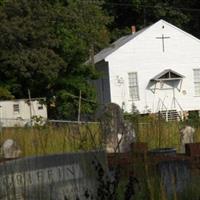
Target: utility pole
79,107
29,97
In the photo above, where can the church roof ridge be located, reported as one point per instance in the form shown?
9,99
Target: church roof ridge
125,39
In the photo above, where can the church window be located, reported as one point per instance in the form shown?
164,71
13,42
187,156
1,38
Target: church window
197,82
133,86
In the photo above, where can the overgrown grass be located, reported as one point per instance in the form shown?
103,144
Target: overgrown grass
75,137
150,185
159,134
79,137
52,139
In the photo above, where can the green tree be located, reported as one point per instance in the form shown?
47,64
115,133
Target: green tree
43,45
146,12
83,34
5,93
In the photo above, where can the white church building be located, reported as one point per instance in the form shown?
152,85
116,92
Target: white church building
156,68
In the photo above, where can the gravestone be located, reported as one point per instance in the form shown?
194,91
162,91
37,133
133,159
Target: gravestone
119,134
175,176
55,177
186,136
112,125
128,137
10,149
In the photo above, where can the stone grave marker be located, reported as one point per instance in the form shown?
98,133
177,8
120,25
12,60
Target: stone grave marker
54,177
186,136
112,125
128,137
118,133
10,149
175,176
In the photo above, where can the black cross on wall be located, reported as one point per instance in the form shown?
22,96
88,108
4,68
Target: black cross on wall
163,41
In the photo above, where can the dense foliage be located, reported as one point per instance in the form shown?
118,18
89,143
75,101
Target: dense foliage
43,48
182,13
44,44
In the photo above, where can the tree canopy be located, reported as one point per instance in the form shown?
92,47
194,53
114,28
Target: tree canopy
182,13
44,44
43,48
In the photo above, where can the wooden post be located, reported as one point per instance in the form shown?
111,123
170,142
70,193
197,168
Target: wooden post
1,123
29,97
79,107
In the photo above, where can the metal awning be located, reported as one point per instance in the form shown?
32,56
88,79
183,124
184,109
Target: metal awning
167,75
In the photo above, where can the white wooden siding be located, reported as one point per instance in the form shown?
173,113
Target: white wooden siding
19,112
144,55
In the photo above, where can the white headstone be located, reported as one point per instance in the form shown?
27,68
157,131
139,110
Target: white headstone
186,136
10,149
127,138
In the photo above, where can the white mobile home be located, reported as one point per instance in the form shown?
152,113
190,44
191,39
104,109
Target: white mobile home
19,112
156,68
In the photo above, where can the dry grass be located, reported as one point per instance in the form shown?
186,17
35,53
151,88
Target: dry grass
51,139
160,134
74,137
48,140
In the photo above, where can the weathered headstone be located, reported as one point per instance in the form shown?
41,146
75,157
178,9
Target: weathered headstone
127,138
112,125
175,176
119,134
186,136
10,149
63,176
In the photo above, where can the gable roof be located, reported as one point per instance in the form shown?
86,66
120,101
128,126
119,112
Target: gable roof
123,40
116,45
161,75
